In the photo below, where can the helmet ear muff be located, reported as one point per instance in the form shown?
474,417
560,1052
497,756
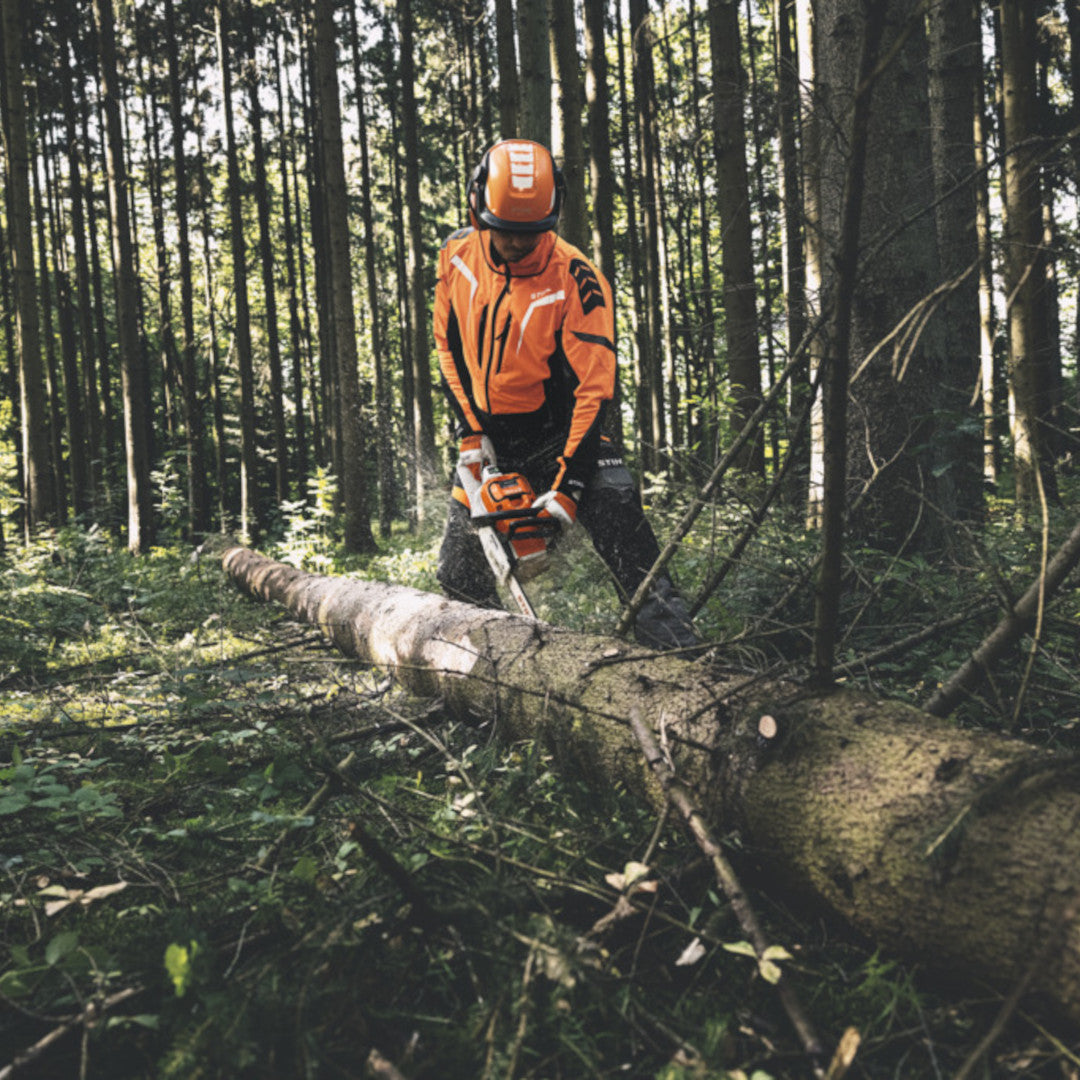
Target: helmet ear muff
560,188
474,192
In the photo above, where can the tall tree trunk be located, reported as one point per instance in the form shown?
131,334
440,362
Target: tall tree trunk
957,848
897,348
383,404
220,446
703,428
39,491
53,392
249,480
133,378
78,472
1024,257
102,390
733,204
792,251
509,87
296,338
641,35
169,357
266,260
533,22
424,423
570,146
955,69
989,383
357,524
601,173
194,429
87,342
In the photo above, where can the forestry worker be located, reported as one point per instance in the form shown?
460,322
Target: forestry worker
525,332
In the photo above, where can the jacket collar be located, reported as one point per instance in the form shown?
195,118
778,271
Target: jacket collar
534,263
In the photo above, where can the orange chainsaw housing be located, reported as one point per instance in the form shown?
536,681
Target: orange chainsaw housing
508,497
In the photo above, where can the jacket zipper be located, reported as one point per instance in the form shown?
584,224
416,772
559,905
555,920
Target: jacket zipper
491,344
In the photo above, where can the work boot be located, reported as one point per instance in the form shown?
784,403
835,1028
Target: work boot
663,623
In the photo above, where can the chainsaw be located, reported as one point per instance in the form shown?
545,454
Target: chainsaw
513,536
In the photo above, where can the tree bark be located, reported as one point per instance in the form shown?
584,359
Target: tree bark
249,523
570,146
419,322
1025,256
958,849
533,20
38,487
733,203
506,52
267,260
358,536
194,427
132,360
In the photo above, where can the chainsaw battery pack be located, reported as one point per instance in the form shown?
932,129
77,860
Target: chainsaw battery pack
506,503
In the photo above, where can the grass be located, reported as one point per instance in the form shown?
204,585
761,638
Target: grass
226,851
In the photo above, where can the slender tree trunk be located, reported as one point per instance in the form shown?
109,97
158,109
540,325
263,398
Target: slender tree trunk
989,382
222,478
266,260
53,391
704,428
285,137
78,472
570,147
194,428
383,405
40,493
357,525
601,173
249,517
533,22
89,391
132,359
506,51
169,357
955,69
641,34
1025,261
733,204
792,250
424,423
102,390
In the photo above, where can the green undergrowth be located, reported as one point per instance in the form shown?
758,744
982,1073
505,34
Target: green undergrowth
227,851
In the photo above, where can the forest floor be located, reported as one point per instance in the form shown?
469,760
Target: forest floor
227,851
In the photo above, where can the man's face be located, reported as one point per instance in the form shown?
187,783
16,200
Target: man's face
512,246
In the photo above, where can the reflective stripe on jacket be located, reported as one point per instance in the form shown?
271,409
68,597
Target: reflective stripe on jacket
527,349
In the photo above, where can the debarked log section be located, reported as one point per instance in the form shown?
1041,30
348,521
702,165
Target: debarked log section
956,848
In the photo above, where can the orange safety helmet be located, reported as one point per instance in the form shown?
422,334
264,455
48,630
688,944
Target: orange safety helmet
517,187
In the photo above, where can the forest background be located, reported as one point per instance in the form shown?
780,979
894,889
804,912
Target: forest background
843,243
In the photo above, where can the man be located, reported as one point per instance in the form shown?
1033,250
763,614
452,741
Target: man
525,329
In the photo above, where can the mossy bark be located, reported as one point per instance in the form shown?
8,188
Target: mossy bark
959,849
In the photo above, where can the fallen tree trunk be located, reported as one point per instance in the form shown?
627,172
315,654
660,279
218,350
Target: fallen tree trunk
956,848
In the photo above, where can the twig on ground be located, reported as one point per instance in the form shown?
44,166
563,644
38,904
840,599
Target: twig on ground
87,1017
680,797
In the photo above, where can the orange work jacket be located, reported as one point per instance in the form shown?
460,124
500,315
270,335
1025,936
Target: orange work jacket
527,349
